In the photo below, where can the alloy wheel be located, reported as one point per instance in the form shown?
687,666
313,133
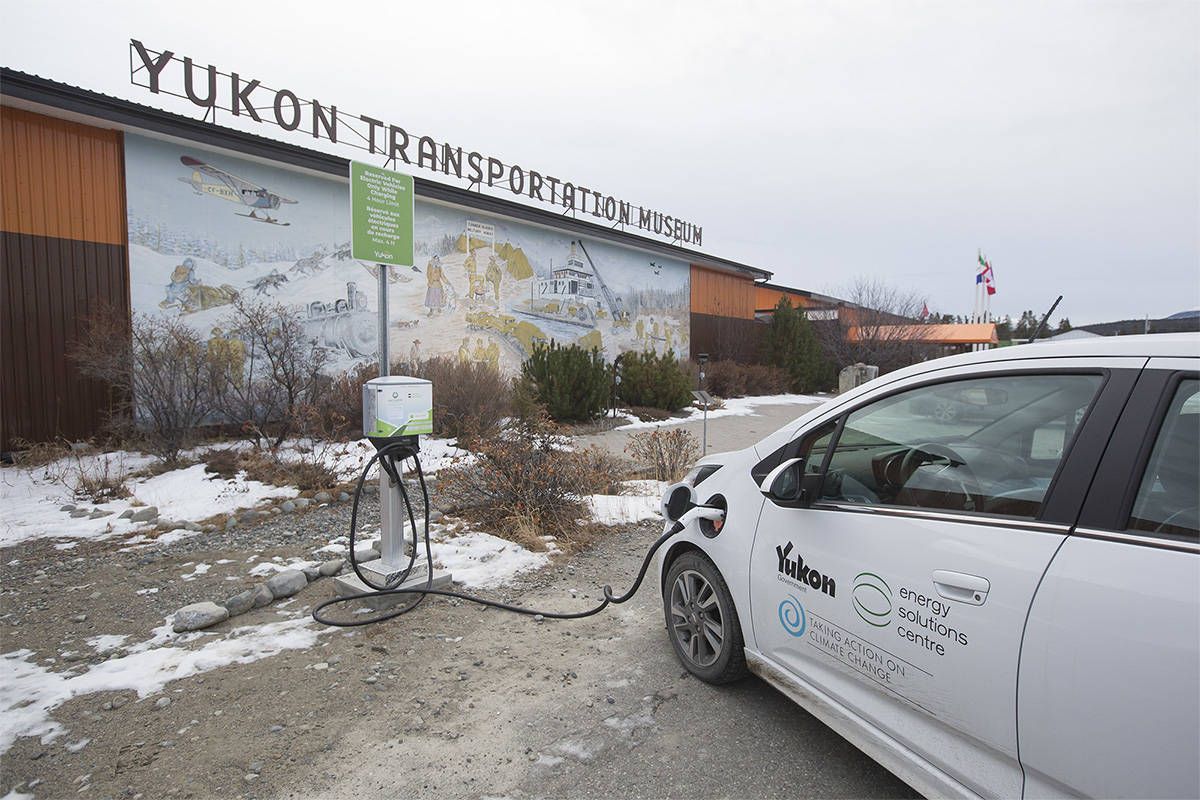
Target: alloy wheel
696,621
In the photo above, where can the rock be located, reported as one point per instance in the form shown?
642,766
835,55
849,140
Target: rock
274,510
332,567
98,513
256,767
126,514
276,729
162,702
248,516
198,616
263,595
250,777
79,618
322,497
302,502
365,553
286,583
287,505
144,514
194,527
241,602
343,497
231,522
79,512
370,488
312,573
67,507
436,516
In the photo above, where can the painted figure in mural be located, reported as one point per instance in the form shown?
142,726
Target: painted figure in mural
479,354
469,264
226,357
493,354
669,344
641,330
414,353
435,286
267,283
493,277
478,290
183,277
464,351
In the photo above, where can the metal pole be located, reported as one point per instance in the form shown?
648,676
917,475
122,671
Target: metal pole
704,446
391,517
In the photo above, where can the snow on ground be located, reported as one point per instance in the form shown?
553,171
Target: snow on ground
640,501
31,497
736,407
29,692
192,493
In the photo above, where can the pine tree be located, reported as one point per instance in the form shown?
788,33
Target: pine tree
792,345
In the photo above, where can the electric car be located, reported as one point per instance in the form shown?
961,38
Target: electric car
998,604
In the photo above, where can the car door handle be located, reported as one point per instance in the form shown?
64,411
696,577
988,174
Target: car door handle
960,586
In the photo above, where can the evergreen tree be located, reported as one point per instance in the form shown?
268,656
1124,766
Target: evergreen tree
791,345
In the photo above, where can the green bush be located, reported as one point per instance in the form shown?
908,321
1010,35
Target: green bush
791,344
654,381
571,383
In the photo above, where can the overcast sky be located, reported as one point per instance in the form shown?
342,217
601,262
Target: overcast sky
820,140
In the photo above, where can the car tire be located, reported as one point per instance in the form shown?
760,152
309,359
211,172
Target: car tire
696,603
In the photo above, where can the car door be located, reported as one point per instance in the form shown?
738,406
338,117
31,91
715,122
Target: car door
902,591
1109,691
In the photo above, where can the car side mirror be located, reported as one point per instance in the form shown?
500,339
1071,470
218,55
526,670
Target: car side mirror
788,485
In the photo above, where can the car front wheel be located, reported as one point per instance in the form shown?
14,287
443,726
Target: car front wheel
702,621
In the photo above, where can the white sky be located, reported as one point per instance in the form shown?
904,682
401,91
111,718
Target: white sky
820,140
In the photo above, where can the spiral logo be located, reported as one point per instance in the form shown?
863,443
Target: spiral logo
792,616
872,599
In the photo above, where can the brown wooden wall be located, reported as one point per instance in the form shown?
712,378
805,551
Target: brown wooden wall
63,257
726,337
722,294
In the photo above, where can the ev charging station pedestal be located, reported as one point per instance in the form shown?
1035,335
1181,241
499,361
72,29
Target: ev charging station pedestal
396,409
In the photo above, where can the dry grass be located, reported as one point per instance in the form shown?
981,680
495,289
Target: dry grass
526,484
665,453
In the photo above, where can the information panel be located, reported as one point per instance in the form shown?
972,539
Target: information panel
381,215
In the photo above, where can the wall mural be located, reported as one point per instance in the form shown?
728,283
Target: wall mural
206,229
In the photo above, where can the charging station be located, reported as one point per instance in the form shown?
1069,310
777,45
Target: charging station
397,409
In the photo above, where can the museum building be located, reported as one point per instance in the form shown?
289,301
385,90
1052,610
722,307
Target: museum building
109,204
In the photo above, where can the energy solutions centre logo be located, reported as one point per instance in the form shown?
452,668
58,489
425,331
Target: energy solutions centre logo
872,598
792,616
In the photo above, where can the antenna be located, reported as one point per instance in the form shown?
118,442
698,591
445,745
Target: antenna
1046,318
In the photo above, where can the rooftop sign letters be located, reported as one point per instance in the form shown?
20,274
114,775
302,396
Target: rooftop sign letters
210,89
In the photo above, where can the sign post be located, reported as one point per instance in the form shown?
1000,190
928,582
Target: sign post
381,231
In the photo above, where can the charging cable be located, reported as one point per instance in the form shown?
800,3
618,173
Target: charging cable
388,457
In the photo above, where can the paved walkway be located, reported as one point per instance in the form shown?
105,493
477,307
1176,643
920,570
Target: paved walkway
724,433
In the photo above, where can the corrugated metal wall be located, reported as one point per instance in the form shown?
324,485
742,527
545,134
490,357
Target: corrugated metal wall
62,229
722,294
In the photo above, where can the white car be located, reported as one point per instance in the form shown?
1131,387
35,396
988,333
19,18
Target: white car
998,604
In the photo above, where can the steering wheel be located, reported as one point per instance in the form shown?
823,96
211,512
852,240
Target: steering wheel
956,470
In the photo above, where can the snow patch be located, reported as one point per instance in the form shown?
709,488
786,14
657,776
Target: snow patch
736,407
30,692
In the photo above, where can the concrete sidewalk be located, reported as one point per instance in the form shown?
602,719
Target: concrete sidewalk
724,433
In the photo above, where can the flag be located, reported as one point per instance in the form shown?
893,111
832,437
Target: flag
925,311
989,278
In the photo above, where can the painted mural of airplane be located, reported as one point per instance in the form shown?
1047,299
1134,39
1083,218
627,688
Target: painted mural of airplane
216,182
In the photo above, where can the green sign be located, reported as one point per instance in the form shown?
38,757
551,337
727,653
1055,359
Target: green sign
381,215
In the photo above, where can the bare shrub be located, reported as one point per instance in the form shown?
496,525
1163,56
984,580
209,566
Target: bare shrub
79,467
337,402
470,399
665,453
731,379
525,484
160,367
262,368
878,326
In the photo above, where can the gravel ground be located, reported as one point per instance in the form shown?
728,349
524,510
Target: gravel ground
449,701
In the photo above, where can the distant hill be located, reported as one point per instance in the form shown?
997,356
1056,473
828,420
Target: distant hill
1131,327
1185,314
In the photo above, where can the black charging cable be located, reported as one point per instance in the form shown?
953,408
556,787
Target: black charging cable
387,457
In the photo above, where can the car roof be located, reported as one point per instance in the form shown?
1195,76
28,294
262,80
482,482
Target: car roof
1155,345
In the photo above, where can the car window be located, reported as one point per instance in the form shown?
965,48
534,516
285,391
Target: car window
979,445
1169,498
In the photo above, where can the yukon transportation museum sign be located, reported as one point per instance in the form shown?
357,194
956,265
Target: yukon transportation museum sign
209,88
